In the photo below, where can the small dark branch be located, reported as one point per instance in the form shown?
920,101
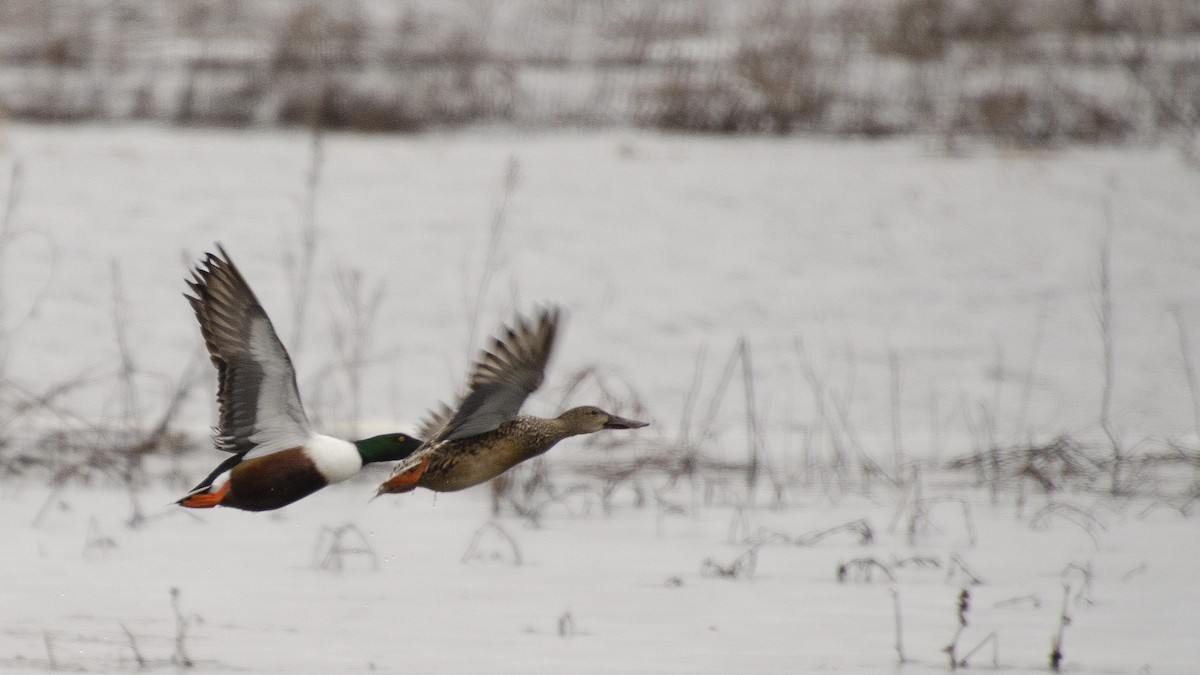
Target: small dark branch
1064,620
336,544
919,561
95,543
742,567
992,639
133,647
958,564
48,640
897,442
861,570
1189,370
714,404
665,508
753,435
963,606
860,527
475,550
182,624
298,261
12,198
1030,369
353,330
1032,599
899,628
1104,318
566,625
683,445
1086,575
491,258
1070,513
921,510
1137,571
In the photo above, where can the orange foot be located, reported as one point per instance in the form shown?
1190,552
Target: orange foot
405,482
205,500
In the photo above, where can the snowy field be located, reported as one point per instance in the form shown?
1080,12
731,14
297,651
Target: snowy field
633,585
926,296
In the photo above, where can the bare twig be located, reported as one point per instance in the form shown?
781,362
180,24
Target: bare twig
862,569
897,442
963,606
1030,369
1189,370
753,436
182,624
1104,319
133,647
475,549
742,567
958,564
353,334
48,640
1064,620
899,628
566,625
491,258
298,262
335,544
991,638
1032,599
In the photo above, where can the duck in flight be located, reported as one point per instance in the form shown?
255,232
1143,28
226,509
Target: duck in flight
484,436
276,456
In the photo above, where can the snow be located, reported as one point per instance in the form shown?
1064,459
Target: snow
979,272
970,279
631,583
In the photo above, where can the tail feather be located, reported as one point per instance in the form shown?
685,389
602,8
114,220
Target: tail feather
202,496
406,480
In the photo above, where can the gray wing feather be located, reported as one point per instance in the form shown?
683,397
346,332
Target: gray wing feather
507,372
260,408
434,420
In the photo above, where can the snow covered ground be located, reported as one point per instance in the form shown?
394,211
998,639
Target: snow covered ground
979,273
626,593
969,282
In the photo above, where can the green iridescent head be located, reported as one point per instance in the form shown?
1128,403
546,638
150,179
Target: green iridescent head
387,447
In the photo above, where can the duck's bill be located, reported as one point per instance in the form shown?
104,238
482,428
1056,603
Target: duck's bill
615,422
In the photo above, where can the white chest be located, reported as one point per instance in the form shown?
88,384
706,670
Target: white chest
336,459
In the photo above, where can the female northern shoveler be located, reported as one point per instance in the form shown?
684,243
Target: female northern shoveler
484,437
277,456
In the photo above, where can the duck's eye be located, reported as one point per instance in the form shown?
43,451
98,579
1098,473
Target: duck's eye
400,438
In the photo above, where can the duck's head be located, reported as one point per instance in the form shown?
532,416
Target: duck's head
387,447
587,419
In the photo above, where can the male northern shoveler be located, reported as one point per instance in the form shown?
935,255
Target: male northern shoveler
277,456
484,436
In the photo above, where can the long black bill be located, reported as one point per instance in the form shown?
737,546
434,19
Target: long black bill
615,422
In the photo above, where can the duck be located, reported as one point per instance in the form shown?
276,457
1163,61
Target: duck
277,458
483,435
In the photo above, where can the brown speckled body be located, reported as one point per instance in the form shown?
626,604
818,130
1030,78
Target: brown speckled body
457,465
272,481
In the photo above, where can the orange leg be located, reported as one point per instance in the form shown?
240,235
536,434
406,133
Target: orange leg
205,500
405,482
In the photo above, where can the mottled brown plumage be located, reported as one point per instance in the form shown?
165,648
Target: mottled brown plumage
484,436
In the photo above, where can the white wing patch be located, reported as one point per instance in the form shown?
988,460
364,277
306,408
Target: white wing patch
280,422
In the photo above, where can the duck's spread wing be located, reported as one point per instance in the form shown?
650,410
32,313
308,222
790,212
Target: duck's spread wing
507,372
260,409
434,420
